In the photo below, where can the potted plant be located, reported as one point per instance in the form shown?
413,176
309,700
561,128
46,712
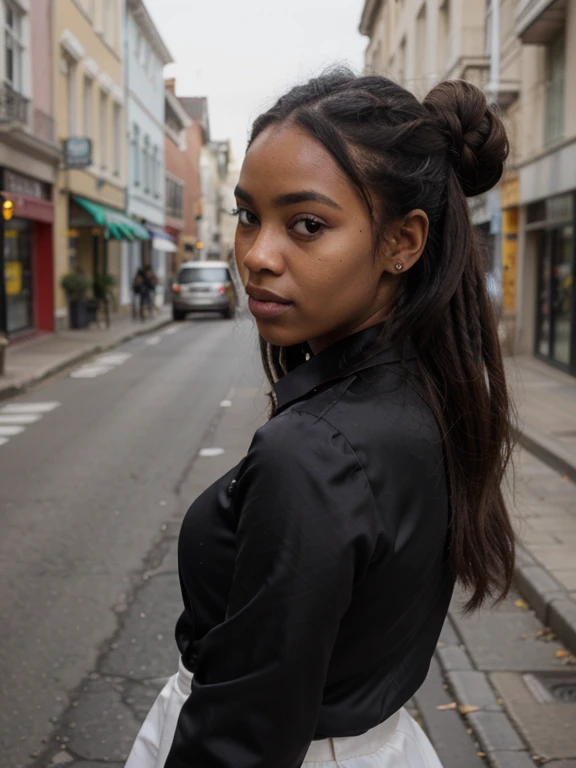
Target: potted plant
102,289
76,285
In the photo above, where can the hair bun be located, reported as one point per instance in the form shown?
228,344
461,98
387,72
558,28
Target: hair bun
476,135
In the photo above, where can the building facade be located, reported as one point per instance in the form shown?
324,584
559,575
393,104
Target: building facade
545,128
523,54
176,128
197,136
146,55
29,158
90,99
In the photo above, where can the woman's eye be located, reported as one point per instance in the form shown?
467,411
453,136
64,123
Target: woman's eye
308,226
246,217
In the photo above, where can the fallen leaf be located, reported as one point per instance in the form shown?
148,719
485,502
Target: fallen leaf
521,604
445,707
565,478
481,754
569,661
524,636
466,709
562,654
440,645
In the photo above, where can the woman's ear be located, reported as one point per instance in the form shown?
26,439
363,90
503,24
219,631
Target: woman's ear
405,242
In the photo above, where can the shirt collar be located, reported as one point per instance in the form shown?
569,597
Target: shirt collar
337,361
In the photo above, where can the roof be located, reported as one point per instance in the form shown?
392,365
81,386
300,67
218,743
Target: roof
196,107
369,12
144,21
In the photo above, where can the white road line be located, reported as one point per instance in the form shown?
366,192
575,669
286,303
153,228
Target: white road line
11,431
153,340
19,418
172,329
90,371
3,440
113,359
209,452
226,404
29,407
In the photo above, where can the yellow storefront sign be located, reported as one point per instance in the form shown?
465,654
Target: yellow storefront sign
510,201
13,277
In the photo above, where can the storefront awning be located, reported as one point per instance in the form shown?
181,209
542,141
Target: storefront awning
116,225
162,241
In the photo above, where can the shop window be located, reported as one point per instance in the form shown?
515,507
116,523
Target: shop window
555,91
14,47
18,272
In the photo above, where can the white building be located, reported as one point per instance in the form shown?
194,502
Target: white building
145,58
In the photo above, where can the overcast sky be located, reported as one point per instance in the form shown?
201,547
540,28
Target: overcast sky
243,53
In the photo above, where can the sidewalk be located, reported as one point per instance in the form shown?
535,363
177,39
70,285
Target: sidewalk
542,487
28,362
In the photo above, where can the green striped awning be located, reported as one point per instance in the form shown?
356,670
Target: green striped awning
117,225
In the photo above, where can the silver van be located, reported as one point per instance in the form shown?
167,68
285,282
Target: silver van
203,286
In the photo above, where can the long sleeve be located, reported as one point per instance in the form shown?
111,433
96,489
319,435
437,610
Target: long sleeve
305,536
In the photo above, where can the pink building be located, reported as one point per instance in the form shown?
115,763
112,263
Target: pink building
29,160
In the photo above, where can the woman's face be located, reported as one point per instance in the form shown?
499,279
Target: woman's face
304,244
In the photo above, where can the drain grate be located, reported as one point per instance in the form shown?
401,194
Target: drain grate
550,687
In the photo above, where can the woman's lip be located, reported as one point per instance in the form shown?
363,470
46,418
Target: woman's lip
261,294
266,309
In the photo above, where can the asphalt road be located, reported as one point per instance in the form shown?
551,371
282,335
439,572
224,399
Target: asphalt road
85,490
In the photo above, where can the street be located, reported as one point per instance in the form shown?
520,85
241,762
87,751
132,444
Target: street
98,467
87,491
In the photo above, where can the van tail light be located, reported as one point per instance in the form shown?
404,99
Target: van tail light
222,290
175,288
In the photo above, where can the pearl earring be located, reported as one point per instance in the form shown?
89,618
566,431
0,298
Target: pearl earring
398,266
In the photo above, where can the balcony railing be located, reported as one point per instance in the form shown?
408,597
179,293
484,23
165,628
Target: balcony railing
13,106
540,21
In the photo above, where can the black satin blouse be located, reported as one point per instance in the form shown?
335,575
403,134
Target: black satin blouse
315,574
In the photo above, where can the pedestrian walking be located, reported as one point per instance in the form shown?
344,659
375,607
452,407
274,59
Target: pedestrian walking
151,282
139,294
317,574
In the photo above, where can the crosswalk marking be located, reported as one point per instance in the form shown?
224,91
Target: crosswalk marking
19,418
15,417
11,431
90,371
114,359
29,408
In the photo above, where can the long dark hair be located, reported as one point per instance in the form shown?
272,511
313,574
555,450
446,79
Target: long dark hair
400,155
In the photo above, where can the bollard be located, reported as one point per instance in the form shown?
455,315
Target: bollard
3,345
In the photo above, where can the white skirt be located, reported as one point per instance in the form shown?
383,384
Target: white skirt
399,742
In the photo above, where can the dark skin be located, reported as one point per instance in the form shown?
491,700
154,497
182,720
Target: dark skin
318,253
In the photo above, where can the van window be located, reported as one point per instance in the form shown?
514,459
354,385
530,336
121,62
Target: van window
204,275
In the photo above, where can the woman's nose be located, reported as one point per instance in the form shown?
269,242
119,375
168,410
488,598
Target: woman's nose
264,255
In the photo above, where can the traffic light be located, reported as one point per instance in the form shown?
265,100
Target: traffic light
7,210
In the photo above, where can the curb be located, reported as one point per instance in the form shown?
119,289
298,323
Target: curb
11,390
548,599
492,728
547,451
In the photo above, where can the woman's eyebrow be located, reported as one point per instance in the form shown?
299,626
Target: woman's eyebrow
307,196
290,198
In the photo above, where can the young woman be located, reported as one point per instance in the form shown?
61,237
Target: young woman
317,574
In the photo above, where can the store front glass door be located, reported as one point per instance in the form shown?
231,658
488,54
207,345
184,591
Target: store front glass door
18,275
555,292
